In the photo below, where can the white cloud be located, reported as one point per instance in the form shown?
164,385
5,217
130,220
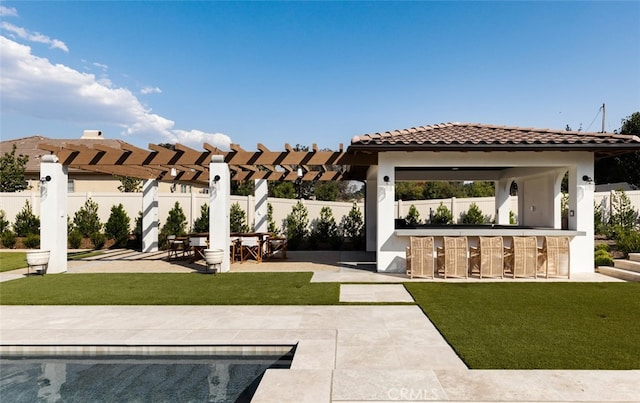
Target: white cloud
8,12
197,138
100,66
33,86
150,90
34,37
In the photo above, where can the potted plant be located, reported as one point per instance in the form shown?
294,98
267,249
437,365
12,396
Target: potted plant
38,260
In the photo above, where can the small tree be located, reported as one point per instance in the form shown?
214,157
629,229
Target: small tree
443,215
413,216
622,215
176,222
26,222
473,215
129,184
4,223
117,226
272,227
237,219
12,170
86,219
296,225
353,226
201,224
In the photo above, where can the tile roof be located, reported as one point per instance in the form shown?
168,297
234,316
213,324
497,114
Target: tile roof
469,136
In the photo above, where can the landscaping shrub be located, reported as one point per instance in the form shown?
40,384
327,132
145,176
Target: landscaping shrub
117,226
296,225
237,219
326,230
26,222
8,238
443,215
473,215
98,239
602,258
31,241
599,223
4,223
75,239
201,224
512,218
271,224
623,215
137,230
628,241
176,222
353,226
602,246
86,219
413,217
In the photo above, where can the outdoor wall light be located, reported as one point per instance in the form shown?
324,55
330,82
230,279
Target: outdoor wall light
300,173
587,178
386,178
174,172
216,179
45,179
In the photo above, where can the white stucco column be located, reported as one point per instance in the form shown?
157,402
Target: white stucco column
219,205
53,212
388,245
371,207
581,196
261,191
502,201
150,216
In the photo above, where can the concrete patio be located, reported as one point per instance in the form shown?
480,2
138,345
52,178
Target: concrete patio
348,353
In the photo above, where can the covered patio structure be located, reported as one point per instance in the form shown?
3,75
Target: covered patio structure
536,160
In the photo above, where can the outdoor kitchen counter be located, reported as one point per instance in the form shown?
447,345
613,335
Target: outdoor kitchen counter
487,230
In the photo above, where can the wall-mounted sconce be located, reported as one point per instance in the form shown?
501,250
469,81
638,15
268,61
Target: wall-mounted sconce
216,179
532,208
174,172
572,213
386,179
587,178
45,179
300,173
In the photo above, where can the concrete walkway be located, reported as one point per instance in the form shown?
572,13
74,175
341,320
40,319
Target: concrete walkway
348,353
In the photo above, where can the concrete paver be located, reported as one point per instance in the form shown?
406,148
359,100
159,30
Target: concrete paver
346,353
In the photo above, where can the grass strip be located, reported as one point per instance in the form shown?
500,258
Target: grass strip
169,289
537,326
12,261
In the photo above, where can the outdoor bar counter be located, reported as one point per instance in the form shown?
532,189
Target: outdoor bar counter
483,230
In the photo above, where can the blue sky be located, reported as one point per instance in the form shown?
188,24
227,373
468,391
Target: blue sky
311,72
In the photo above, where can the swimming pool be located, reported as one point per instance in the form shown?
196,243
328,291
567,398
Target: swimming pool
205,375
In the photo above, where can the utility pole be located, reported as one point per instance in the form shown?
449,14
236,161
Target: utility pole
603,113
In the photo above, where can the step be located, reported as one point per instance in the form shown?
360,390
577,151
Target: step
627,265
634,256
619,273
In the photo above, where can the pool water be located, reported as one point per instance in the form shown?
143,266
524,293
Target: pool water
225,378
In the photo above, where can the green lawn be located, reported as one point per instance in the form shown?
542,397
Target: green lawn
18,260
537,326
169,289
12,260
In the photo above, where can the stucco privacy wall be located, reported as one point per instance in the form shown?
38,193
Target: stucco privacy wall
12,203
538,176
